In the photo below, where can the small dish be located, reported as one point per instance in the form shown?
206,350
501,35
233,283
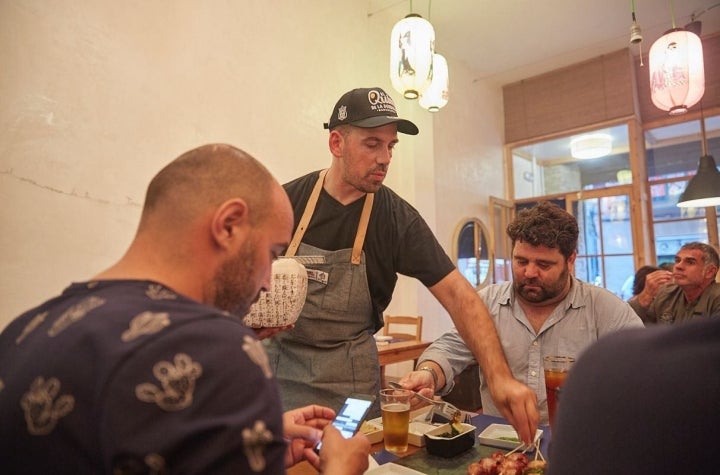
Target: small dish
502,436
373,430
391,469
438,442
383,338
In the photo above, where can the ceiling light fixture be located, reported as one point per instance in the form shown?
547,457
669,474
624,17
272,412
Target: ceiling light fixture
677,73
436,96
591,146
412,45
635,31
703,189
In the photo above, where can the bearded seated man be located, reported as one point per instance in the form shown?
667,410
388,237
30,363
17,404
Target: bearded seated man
544,311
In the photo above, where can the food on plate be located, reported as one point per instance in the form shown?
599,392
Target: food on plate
511,439
368,427
535,466
511,464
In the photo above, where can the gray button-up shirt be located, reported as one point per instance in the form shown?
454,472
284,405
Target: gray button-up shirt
586,314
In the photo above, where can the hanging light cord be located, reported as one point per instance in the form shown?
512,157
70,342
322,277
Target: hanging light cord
632,11
697,15
672,13
704,144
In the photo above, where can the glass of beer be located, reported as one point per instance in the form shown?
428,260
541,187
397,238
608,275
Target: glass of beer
556,370
395,407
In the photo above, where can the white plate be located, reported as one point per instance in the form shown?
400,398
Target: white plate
494,433
392,469
383,338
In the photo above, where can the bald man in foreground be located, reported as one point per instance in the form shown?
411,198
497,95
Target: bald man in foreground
142,369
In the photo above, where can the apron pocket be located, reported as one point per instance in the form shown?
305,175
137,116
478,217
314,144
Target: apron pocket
335,295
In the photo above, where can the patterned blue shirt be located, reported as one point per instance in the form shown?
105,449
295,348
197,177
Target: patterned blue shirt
130,376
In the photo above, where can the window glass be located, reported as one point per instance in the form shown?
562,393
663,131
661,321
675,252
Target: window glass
549,167
673,151
672,156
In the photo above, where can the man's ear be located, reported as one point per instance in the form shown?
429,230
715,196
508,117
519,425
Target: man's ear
229,222
571,258
336,141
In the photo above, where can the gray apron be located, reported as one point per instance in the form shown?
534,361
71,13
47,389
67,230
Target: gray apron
331,351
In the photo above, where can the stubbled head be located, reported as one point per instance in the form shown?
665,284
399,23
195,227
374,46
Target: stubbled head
220,197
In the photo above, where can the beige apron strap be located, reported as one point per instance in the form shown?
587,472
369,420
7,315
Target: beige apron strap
362,229
310,209
307,214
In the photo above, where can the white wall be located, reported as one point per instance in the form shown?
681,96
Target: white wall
96,96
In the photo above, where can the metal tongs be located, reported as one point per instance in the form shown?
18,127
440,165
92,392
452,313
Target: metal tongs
444,410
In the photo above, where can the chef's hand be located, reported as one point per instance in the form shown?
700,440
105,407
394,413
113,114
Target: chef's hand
518,404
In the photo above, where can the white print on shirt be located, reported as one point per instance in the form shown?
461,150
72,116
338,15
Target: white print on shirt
254,442
145,323
256,352
42,407
32,325
75,313
177,381
158,292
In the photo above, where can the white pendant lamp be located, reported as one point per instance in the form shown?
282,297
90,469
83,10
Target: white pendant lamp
677,74
412,45
436,96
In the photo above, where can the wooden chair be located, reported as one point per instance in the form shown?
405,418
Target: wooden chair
403,322
401,328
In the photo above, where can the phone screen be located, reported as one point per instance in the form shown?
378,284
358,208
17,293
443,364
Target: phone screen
351,415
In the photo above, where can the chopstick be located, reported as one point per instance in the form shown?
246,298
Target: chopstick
525,448
537,450
516,449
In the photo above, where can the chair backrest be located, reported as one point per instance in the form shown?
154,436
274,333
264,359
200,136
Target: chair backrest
403,327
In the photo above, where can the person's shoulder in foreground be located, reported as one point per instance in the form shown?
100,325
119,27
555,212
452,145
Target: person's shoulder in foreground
147,367
642,401
127,353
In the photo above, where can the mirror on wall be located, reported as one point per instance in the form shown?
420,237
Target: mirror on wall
472,253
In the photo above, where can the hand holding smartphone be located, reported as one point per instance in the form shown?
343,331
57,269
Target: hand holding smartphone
351,415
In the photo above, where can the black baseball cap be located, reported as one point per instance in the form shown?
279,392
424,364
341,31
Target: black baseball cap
368,107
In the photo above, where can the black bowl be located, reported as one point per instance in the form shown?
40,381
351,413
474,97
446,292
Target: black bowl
438,441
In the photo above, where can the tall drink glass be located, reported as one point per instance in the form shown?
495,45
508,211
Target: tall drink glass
556,370
395,407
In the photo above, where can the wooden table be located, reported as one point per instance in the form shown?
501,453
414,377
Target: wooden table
418,459
401,350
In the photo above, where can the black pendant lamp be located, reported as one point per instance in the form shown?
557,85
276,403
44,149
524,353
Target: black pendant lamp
703,189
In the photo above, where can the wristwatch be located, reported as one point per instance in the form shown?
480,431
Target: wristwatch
432,372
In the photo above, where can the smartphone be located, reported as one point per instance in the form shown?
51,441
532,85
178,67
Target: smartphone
351,415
